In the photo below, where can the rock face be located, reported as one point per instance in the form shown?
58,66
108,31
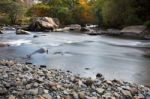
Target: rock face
43,24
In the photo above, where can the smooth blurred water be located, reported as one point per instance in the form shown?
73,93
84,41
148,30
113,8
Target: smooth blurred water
115,58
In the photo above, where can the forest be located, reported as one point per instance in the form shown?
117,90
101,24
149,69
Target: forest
107,13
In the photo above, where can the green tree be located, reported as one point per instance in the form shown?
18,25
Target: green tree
13,9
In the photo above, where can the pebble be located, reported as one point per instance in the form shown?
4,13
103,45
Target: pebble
47,96
127,93
81,95
100,90
11,97
30,82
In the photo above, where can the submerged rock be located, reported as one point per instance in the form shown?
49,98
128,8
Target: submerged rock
1,32
22,32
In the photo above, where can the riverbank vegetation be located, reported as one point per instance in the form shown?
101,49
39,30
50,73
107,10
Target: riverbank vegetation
108,13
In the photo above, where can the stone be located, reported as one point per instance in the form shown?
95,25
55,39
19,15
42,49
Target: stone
74,95
11,97
40,90
100,90
67,97
33,91
81,95
47,96
133,90
43,24
3,44
89,82
28,86
127,94
41,97
46,91
35,36
1,32
109,82
3,91
140,96
22,32
93,98
43,66
99,75
28,63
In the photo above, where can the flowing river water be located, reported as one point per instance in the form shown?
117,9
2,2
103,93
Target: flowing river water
82,54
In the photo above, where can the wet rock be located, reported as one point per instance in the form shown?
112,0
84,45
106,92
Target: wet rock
28,63
88,82
22,32
1,32
35,36
43,66
99,75
87,68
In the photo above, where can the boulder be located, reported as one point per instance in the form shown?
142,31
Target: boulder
75,27
84,29
1,32
136,31
3,44
43,24
22,32
147,54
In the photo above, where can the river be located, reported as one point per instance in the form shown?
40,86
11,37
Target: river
82,54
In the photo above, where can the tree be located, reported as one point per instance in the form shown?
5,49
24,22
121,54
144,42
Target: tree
39,10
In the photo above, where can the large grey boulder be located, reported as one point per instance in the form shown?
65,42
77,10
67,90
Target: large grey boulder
43,24
137,30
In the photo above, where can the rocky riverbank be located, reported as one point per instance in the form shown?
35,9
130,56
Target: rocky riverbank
27,81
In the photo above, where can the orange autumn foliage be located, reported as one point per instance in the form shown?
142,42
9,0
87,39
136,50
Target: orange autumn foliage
86,15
